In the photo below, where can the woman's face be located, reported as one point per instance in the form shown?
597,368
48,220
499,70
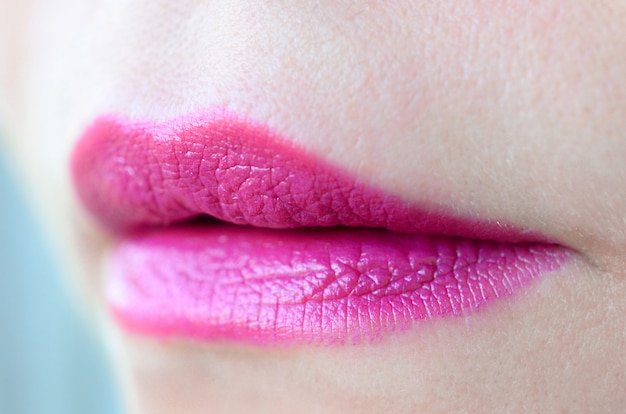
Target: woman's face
509,114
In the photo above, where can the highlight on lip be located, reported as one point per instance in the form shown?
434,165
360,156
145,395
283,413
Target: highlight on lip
306,252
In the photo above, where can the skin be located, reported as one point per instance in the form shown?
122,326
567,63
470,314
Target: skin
511,111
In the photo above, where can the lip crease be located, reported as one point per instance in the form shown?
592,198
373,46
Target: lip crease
306,253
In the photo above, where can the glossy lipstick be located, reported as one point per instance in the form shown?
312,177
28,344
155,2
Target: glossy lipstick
306,252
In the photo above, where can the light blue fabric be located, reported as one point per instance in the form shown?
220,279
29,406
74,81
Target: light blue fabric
49,361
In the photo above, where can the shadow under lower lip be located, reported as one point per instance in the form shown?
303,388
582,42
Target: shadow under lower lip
333,286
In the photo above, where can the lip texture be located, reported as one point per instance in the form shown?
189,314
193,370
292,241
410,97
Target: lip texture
357,263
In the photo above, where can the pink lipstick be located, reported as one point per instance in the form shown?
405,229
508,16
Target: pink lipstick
306,253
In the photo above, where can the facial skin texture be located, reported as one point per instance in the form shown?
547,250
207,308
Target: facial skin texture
512,111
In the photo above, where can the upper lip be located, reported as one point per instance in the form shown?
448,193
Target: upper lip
133,174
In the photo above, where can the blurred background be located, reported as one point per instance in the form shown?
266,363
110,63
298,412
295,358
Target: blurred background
50,362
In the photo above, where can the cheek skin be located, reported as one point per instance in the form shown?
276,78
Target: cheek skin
515,111
13,18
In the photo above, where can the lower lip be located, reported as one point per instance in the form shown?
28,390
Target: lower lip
341,286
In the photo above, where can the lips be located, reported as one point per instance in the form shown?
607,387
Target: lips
303,252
